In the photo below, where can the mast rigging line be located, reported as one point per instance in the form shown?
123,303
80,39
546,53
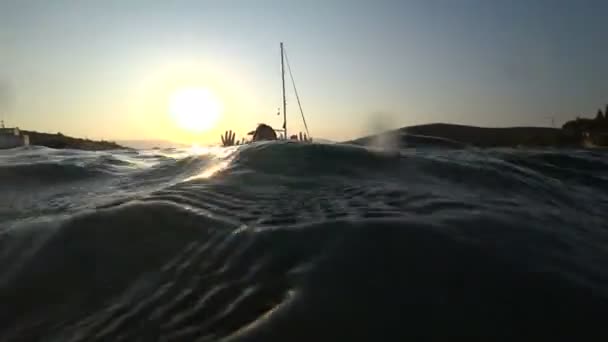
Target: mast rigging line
296,92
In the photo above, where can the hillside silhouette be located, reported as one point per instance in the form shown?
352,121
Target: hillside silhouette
451,135
580,132
60,141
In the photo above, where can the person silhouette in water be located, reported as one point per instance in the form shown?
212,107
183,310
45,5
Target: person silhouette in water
262,133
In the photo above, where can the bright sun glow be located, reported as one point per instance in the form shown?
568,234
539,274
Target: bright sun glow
194,109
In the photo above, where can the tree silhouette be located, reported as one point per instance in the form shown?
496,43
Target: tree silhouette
599,116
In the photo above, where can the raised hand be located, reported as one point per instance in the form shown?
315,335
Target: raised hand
303,137
228,138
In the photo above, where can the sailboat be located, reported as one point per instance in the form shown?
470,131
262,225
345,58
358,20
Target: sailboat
265,132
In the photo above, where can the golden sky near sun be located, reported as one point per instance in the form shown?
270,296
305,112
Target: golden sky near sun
150,113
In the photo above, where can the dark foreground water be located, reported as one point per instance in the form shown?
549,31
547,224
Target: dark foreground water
293,242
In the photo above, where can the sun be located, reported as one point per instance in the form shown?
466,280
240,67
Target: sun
194,109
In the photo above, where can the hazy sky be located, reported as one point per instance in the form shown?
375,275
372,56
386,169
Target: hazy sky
105,69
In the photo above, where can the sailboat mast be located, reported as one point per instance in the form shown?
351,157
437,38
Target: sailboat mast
284,100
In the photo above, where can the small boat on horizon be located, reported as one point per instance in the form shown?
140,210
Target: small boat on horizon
264,132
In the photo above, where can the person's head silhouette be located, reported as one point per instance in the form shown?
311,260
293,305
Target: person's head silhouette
264,132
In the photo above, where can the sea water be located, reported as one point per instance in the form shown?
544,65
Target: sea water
303,242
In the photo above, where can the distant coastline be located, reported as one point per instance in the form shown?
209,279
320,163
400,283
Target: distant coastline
60,141
436,135
458,136
578,133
